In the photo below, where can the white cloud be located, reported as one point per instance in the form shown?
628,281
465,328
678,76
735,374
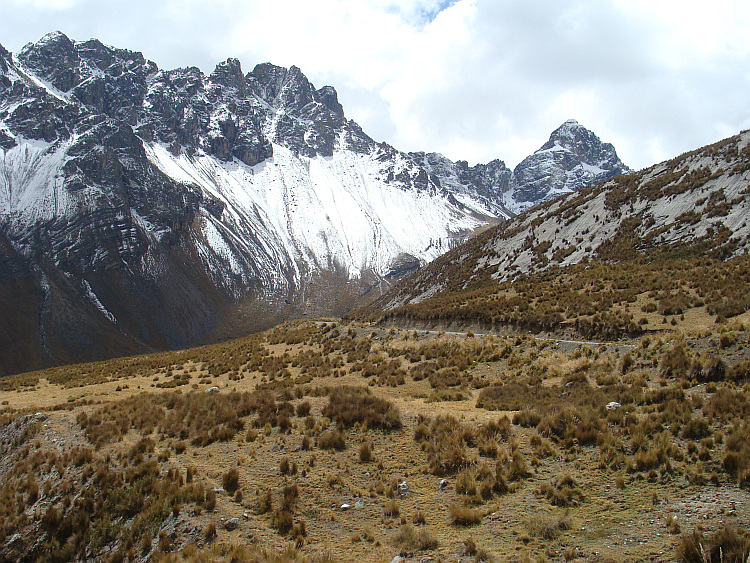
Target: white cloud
46,4
474,79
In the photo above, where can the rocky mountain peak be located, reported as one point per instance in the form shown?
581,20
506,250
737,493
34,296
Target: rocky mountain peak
572,157
53,58
283,88
583,143
330,99
4,58
114,61
229,74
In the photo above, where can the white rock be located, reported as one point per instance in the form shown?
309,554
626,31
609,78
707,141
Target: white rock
403,489
232,524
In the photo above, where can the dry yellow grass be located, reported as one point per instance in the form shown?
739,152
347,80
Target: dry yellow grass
619,523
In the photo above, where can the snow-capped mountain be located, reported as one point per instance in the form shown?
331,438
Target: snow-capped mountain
144,209
573,157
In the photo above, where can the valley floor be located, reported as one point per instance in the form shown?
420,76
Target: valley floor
333,442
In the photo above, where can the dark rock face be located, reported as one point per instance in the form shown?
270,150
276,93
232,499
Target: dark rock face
55,59
103,253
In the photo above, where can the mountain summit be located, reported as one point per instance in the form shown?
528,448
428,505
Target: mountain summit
145,209
573,157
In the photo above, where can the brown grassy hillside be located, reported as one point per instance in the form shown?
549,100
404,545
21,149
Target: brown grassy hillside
673,236
333,442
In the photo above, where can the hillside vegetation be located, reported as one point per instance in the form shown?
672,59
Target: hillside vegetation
335,442
614,259
599,299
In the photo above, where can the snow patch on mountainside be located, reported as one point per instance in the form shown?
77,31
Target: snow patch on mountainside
329,213
30,175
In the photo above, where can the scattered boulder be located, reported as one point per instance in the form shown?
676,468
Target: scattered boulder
232,524
213,389
613,406
346,506
403,489
443,484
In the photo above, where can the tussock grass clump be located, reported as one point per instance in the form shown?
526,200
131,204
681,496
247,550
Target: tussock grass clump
708,368
391,509
562,491
349,405
737,458
675,362
463,515
514,396
230,481
695,429
332,440
527,418
264,502
419,518
726,405
282,521
408,538
446,440
567,424
365,453
726,545
289,496
511,466
547,527
740,371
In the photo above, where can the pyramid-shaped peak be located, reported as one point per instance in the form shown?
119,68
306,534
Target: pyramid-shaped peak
574,137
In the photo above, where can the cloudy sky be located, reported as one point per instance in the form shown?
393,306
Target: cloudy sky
472,79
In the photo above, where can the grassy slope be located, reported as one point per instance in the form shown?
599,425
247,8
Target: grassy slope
595,260
566,478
